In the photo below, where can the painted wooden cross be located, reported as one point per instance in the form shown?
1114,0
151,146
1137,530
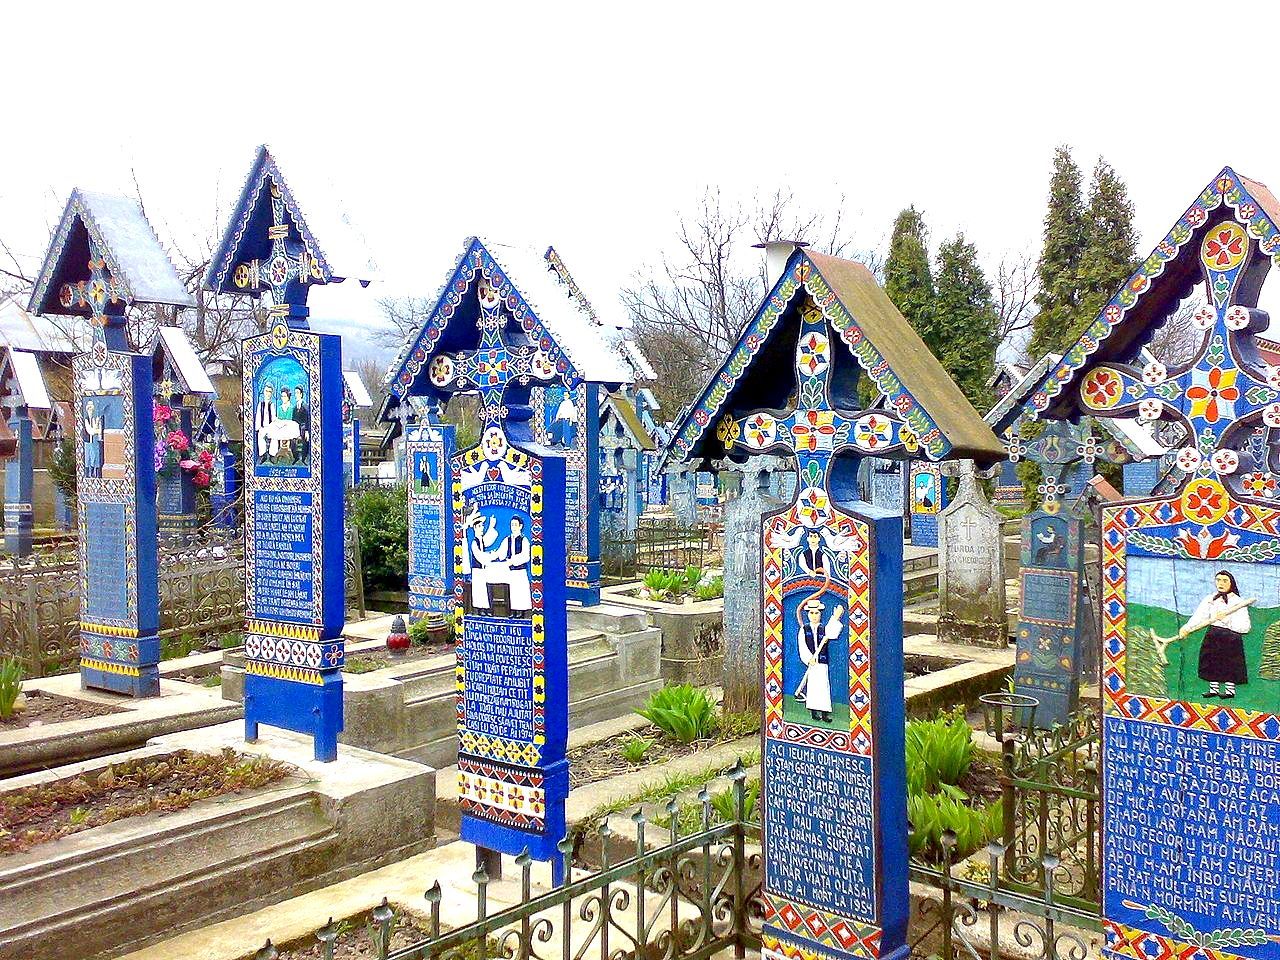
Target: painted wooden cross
104,296
1223,394
493,367
816,430
286,272
1059,448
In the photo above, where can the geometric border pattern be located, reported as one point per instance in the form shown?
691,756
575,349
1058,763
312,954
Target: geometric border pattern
304,347
1117,521
852,936
1124,941
483,745
858,738
501,794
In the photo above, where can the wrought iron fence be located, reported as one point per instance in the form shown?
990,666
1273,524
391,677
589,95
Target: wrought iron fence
201,594
1052,804
663,544
698,895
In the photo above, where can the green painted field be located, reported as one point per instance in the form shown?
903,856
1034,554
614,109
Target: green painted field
1179,680
796,712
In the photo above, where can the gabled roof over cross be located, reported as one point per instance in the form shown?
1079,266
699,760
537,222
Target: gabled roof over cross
824,319
531,296
107,240
1162,281
178,366
272,239
22,382
617,413
1227,239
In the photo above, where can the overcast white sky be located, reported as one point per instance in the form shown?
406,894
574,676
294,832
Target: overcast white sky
591,125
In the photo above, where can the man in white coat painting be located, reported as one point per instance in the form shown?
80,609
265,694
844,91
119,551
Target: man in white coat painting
814,688
264,416
515,554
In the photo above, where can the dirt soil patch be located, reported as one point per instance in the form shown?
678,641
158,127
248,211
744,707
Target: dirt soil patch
601,760
370,660
357,937
37,814
45,708
982,781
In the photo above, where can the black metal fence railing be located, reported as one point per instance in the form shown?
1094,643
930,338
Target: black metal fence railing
667,545
694,895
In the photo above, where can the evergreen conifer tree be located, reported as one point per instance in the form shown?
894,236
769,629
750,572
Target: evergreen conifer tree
1060,259
965,318
907,277
1110,253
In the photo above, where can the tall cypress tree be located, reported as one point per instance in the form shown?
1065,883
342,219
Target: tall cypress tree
965,316
1110,253
907,277
1060,259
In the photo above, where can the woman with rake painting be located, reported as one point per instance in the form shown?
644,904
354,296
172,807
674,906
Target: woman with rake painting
1224,616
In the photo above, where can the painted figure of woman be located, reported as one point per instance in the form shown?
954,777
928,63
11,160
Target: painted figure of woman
1226,616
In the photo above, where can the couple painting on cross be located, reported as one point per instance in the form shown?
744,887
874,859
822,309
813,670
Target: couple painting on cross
282,426
499,563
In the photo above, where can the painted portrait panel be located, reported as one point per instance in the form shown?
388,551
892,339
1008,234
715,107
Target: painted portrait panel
282,419
1205,631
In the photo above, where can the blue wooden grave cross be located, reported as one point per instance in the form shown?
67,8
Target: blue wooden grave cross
104,296
286,272
816,429
494,366
1059,448
1223,394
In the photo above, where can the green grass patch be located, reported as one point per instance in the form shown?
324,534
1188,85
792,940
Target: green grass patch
1180,679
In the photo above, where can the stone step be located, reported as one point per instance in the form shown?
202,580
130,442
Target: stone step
606,618
126,883
157,863
919,558
920,584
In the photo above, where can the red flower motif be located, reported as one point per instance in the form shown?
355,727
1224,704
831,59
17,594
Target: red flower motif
1205,399
177,441
1204,502
1205,546
1223,248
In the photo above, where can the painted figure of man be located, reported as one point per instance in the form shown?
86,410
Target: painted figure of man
1225,617
811,560
479,558
564,425
92,436
302,417
515,554
264,416
814,688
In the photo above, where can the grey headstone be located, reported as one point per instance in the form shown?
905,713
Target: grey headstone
972,602
743,630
